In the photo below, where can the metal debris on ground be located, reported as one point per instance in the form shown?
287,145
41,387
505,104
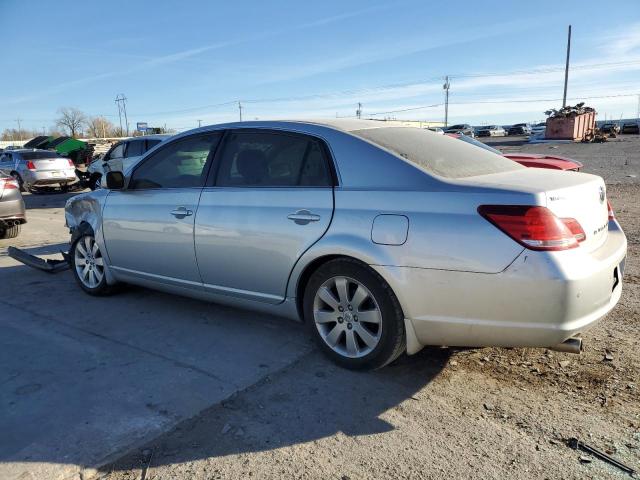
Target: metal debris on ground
578,445
49,265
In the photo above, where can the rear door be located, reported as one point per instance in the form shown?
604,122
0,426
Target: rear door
148,227
272,199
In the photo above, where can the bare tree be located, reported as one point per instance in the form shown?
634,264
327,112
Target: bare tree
71,119
14,134
100,127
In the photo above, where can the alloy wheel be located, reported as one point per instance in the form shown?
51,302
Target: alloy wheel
88,261
347,317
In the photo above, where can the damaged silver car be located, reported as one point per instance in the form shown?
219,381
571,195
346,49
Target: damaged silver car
382,239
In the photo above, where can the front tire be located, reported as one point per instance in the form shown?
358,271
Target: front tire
353,315
88,266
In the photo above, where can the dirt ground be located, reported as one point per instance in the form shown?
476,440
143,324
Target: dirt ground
484,413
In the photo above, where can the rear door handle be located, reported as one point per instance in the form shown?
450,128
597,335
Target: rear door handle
181,212
302,217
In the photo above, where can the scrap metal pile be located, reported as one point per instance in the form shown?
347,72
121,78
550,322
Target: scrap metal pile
577,123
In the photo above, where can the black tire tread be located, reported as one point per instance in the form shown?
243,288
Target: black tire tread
10,232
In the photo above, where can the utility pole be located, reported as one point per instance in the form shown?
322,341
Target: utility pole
566,69
199,123
446,100
240,109
43,131
19,128
359,110
121,101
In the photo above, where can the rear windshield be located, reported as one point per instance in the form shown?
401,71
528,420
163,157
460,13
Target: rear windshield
438,154
38,155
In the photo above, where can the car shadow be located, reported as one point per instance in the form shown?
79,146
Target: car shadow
54,199
310,401
85,380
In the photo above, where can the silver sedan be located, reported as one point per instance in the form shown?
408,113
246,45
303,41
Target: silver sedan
382,239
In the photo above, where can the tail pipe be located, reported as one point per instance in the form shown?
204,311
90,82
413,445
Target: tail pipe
570,345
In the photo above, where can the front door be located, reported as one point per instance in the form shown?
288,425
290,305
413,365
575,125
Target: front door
148,227
271,200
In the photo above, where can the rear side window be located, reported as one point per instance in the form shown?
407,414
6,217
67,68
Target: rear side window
438,154
269,159
135,148
180,164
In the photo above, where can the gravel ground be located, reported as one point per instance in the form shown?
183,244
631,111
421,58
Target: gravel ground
477,413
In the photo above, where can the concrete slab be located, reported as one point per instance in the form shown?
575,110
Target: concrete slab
85,379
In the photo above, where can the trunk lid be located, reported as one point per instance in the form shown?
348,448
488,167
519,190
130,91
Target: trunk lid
567,194
54,163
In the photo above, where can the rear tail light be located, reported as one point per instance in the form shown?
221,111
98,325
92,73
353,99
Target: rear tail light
612,216
71,164
533,227
575,228
30,165
8,184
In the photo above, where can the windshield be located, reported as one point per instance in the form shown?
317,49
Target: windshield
439,154
38,155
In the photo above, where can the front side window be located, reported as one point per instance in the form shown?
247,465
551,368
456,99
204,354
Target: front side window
180,164
117,152
135,148
257,159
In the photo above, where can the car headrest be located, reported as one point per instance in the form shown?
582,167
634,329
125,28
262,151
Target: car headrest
252,165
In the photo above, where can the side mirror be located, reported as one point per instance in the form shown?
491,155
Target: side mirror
115,180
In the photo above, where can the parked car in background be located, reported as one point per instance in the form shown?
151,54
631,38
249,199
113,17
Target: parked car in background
535,160
121,157
610,127
520,129
630,127
506,129
463,128
35,169
348,226
12,211
538,128
490,131
436,129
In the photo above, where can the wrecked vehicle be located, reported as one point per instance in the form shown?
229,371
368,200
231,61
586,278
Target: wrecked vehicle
120,157
382,239
12,211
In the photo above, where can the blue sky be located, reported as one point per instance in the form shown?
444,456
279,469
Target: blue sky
178,62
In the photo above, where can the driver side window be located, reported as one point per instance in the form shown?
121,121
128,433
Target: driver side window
180,164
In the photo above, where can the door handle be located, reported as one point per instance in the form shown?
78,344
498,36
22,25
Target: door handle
181,212
302,217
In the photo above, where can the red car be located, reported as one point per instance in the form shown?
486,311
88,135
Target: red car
535,160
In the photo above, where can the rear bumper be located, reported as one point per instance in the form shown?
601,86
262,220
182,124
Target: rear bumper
12,211
540,300
43,178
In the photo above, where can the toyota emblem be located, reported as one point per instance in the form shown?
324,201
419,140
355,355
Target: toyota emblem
602,194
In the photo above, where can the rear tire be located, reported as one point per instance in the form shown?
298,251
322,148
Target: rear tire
10,232
353,315
88,266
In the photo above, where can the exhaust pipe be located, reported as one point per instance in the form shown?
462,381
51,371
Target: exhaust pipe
570,345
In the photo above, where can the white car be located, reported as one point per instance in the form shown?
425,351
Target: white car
121,157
